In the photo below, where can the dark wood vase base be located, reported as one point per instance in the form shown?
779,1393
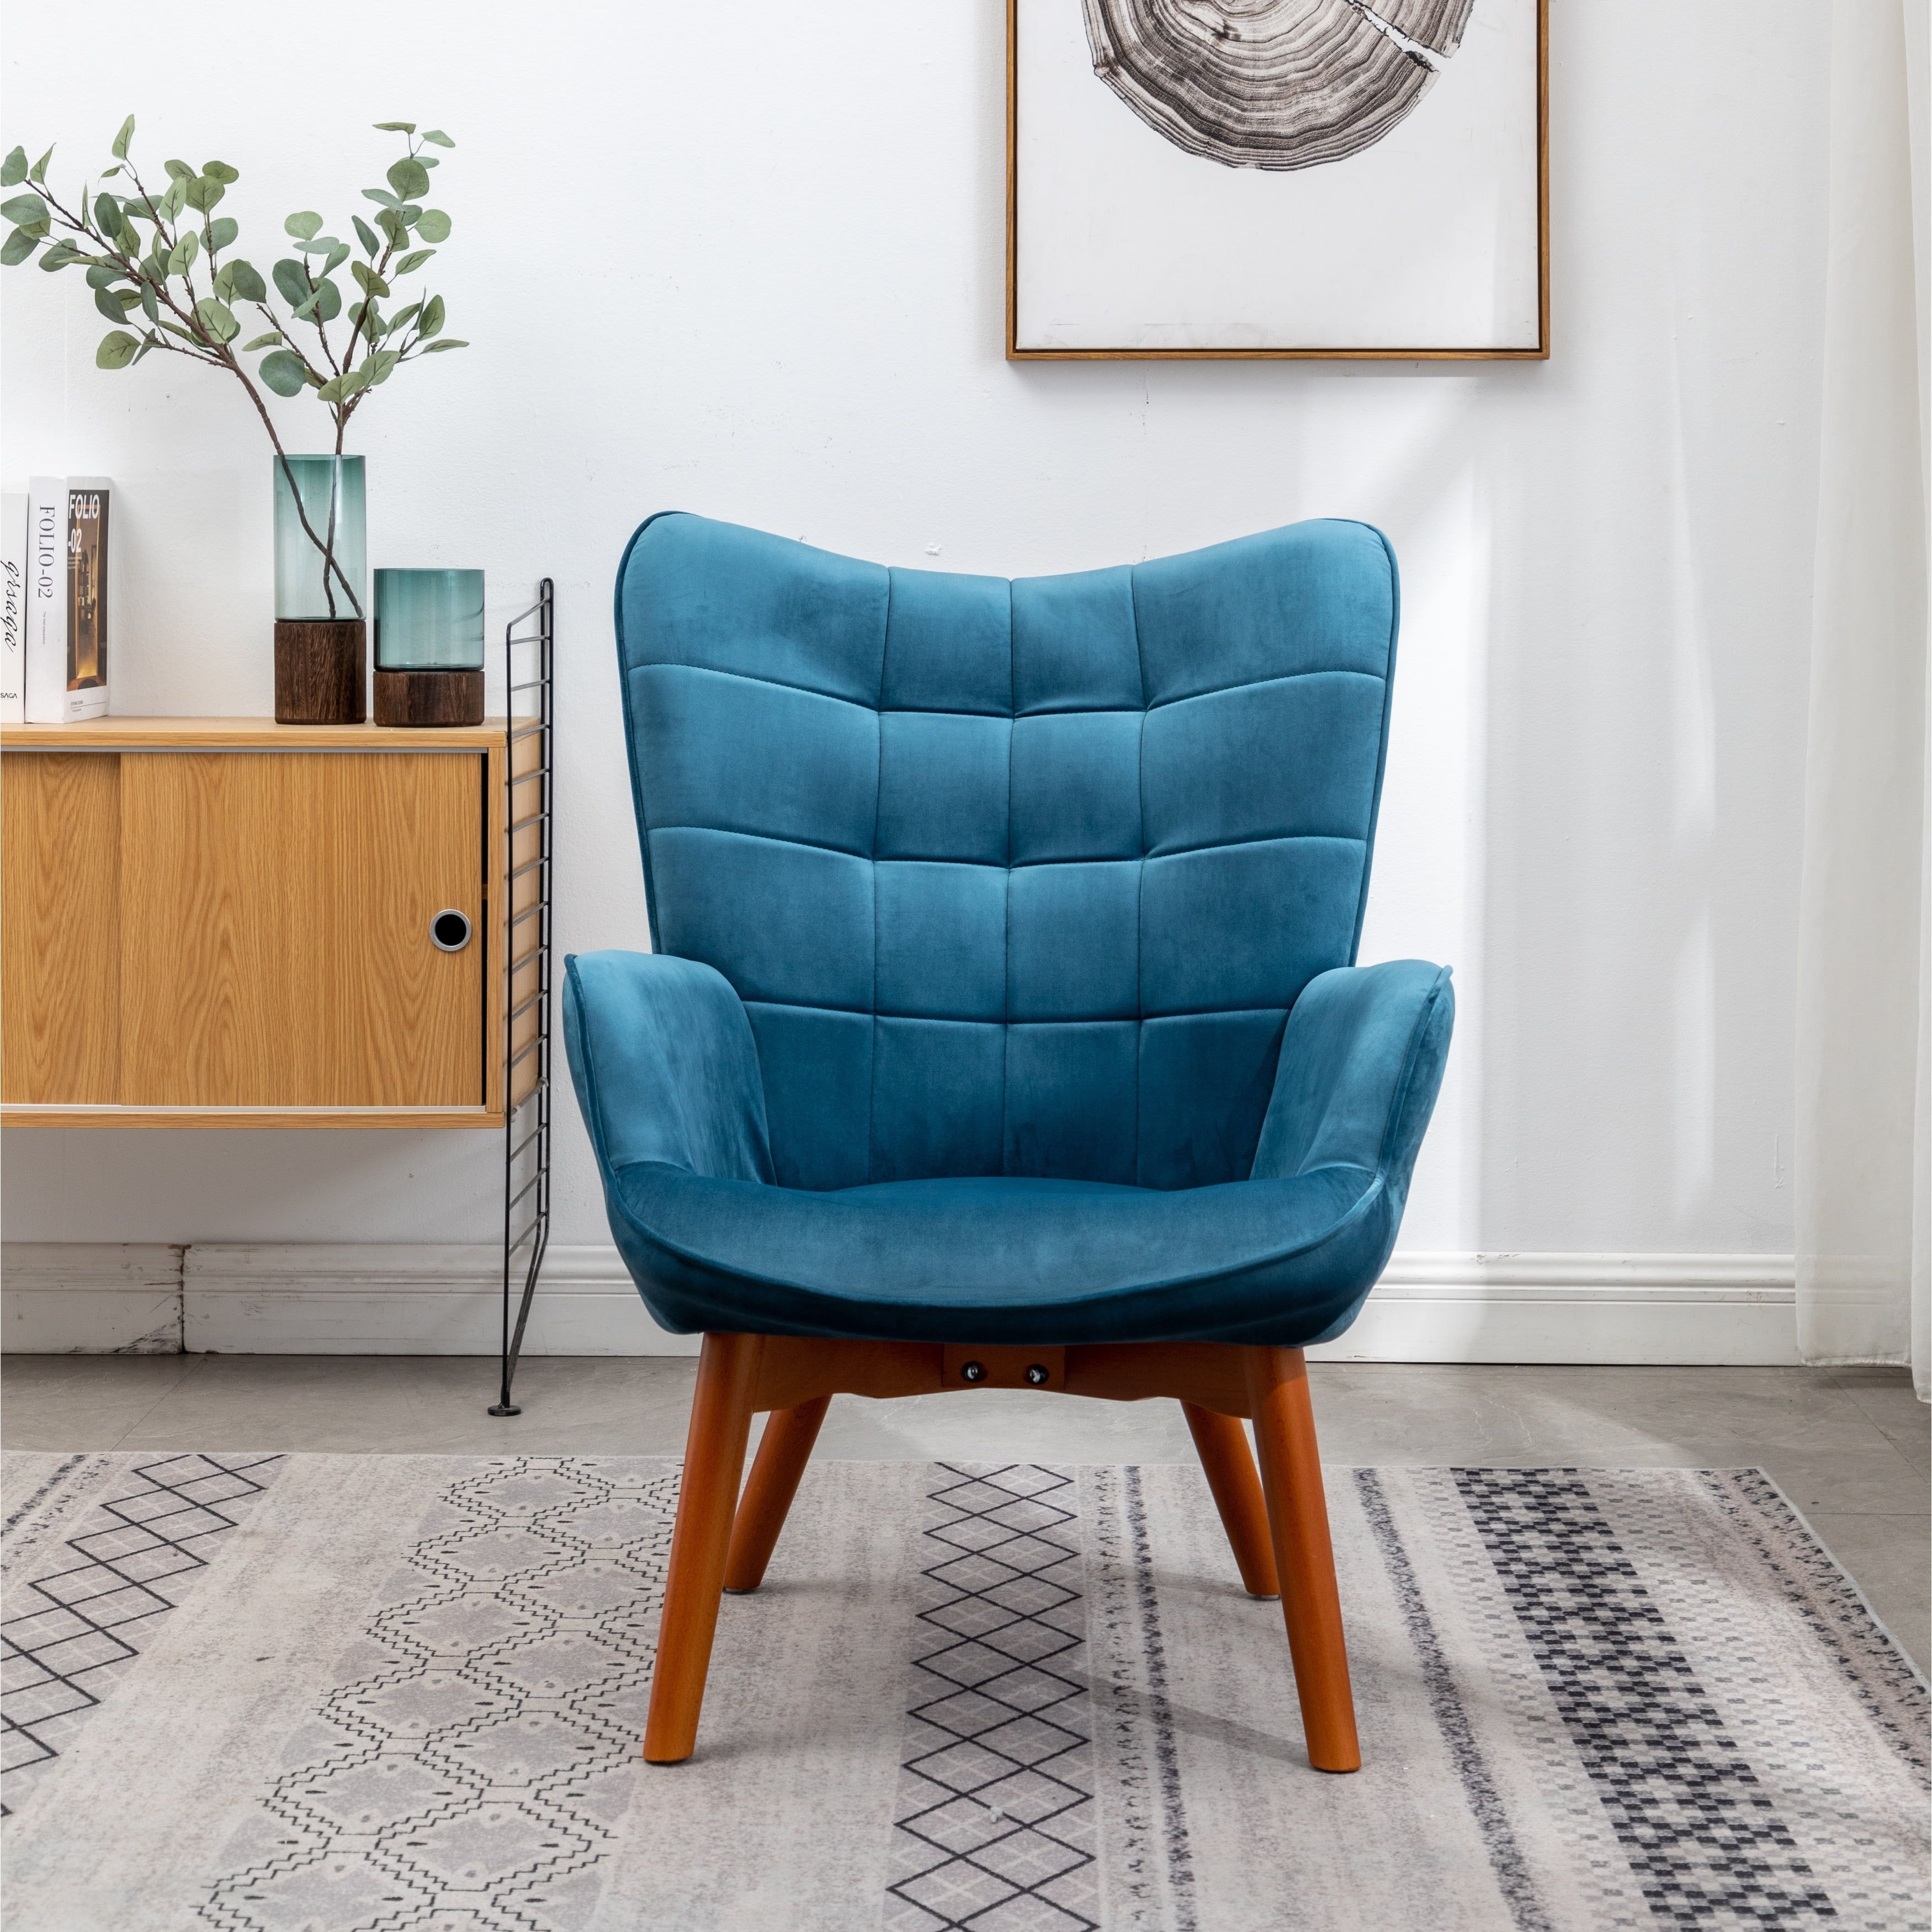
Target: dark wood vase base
319,678
429,697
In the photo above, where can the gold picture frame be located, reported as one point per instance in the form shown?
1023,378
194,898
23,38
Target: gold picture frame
1539,353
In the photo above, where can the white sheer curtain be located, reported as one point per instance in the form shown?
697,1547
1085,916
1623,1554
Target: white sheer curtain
1863,1165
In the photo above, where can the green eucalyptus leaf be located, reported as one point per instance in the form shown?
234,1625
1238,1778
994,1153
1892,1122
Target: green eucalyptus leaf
323,304
340,388
99,276
37,173
395,127
437,135
175,328
302,226
337,254
403,317
292,278
433,225
122,139
202,192
283,372
179,171
108,306
148,341
222,232
151,305
382,195
217,318
447,342
105,173
393,225
23,208
180,256
60,256
220,171
224,284
174,201
380,364
320,244
431,323
412,261
368,281
428,161
269,341
118,349
17,247
364,234
13,168
245,279
408,178
84,221
107,215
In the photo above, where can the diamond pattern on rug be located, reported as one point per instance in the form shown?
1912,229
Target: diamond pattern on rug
993,1830
1704,1841
470,1771
76,1627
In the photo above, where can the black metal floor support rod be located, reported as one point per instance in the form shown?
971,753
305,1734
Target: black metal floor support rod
526,1233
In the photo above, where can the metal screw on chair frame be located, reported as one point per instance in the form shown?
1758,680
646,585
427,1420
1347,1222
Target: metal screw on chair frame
973,1371
1036,1374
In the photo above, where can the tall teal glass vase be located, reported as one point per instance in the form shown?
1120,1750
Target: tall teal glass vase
321,591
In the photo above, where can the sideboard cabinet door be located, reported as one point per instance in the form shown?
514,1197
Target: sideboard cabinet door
275,915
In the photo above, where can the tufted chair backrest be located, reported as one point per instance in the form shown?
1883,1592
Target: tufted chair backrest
1015,877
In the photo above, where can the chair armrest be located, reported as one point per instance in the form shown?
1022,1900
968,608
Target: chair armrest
1361,1059
664,1064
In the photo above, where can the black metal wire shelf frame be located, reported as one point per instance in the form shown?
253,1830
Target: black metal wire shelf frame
527,677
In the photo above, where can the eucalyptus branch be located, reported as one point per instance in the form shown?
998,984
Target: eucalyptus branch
161,280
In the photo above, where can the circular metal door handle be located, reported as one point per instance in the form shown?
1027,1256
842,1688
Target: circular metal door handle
449,931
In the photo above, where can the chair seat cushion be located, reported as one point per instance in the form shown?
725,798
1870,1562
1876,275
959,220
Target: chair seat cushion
994,1259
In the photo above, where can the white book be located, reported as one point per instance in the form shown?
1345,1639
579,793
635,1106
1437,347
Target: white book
88,499
67,599
46,601
12,606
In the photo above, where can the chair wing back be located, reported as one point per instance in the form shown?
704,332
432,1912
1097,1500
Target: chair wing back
1015,877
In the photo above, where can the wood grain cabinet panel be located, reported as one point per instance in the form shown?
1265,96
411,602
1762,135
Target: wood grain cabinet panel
226,923
280,906
60,945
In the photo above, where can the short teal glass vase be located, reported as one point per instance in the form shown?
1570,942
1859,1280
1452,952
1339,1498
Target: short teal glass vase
429,647
429,620
321,587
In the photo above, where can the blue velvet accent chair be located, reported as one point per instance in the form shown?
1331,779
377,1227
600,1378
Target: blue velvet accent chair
1002,1028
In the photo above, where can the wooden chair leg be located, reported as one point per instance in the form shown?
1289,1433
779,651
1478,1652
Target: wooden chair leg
775,1470
1304,1557
1230,1470
714,1459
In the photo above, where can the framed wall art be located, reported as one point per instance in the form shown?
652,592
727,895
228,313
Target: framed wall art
1276,177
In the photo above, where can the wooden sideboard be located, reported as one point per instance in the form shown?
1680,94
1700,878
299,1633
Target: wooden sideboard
226,923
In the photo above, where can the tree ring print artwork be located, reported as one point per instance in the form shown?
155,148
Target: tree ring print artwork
1275,84
1289,178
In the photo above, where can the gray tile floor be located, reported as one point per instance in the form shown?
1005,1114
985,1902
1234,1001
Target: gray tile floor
1849,1447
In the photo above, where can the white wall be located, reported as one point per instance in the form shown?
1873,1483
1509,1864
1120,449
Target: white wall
748,261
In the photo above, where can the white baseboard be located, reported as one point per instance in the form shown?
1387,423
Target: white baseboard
422,1299
90,1298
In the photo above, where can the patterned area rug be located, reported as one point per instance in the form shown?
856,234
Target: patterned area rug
311,1694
